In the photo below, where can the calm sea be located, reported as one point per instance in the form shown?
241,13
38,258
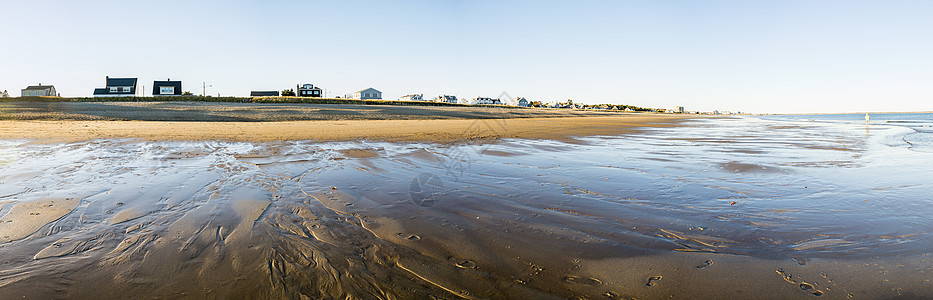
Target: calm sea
919,137
780,207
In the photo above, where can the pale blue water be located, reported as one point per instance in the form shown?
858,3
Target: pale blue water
920,136
876,118
536,214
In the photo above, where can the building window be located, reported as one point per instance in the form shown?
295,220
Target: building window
114,89
167,90
126,89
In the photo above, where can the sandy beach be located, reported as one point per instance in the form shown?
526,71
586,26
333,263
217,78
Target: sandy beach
191,121
603,206
443,131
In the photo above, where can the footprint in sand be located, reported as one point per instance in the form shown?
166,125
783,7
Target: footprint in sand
466,264
652,280
809,288
410,237
587,281
800,260
706,264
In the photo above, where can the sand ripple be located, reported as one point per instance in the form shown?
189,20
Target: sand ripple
616,217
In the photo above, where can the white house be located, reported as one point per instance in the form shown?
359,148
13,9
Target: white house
522,102
447,99
366,94
484,100
39,91
413,97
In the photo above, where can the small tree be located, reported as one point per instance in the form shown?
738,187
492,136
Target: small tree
288,92
5,94
187,93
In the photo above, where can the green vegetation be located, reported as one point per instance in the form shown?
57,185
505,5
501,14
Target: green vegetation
306,100
55,109
288,93
616,107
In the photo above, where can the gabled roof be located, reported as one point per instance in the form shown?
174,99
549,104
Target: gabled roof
156,85
101,91
121,82
368,89
39,87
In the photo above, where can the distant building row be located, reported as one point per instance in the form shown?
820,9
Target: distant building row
520,101
303,90
126,87
453,99
420,97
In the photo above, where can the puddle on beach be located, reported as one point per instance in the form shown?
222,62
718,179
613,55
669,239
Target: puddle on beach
717,208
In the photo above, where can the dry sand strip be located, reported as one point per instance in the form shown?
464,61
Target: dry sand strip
442,131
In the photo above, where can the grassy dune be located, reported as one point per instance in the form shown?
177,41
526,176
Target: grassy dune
263,109
307,100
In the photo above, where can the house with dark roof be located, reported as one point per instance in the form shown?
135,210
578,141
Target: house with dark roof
117,87
413,97
166,88
264,93
309,90
447,99
486,100
365,94
39,91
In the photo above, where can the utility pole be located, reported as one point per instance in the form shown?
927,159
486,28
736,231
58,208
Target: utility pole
204,88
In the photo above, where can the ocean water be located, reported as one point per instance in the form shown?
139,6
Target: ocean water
921,124
780,207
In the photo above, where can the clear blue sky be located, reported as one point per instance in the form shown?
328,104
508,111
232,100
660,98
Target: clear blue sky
754,56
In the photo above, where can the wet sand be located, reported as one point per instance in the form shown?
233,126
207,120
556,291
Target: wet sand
443,131
717,208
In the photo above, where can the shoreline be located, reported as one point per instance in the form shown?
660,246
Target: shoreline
668,212
436,130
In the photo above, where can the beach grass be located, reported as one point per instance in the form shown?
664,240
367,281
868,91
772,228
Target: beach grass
269,109
281,99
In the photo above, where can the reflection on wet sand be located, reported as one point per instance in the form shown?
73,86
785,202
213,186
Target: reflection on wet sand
794,212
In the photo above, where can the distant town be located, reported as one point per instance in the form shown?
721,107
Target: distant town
128,87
